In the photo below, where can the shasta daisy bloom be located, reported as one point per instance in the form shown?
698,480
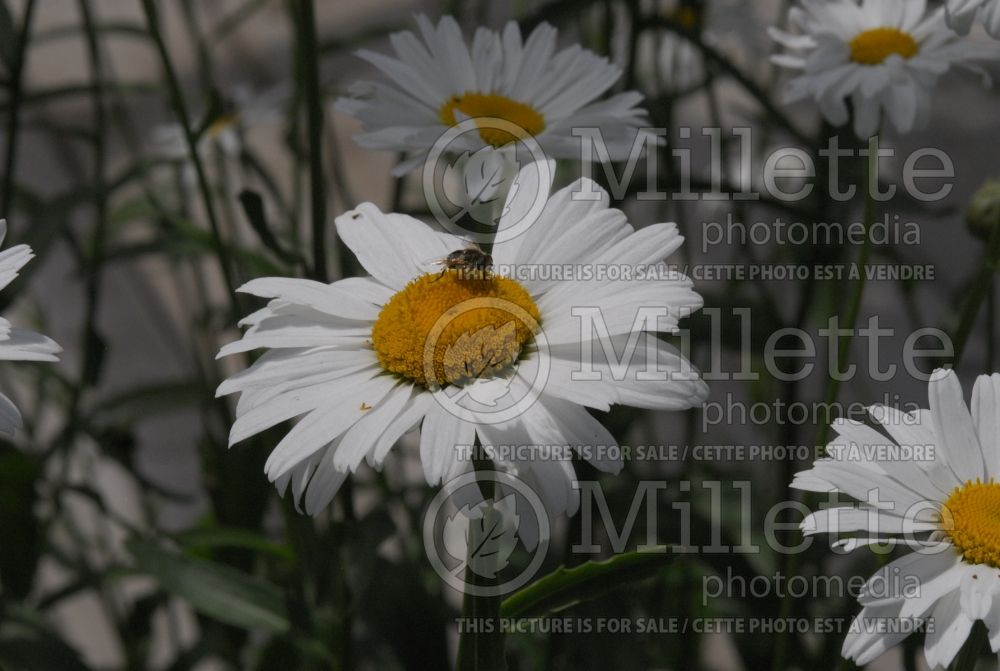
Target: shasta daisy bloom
931,482
17,344
464,356
884,56
962,14
436,80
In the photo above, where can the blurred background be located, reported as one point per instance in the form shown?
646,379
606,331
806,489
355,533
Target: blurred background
131,538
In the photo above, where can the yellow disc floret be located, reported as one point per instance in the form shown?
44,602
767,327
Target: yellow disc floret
971,520
450,328
687,16
873,46
485,106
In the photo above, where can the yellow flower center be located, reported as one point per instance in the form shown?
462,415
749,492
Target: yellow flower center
220,125
686,16
491,105
449,328
873,46
971,520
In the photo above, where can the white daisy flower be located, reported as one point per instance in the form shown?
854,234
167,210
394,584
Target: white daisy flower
17,344
436,81
935,477
962,14
465,357
884,56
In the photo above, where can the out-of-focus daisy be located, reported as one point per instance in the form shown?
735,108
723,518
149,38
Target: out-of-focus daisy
436,80
244,107
932,484
666,63
678,65
884,56
465,356
962,14
167,140
17,344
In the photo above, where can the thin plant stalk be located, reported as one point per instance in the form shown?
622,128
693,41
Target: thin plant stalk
480,641
16,92
980,290
853,308
191,139
314,128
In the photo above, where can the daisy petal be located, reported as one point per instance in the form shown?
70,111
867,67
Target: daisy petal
394,248
986,418
953,423
951,628
10,417
442,437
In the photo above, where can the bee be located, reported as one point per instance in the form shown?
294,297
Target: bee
472,262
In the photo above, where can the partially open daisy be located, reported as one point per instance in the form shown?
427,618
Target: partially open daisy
436,80
466,356
962,14
884,56
17,344
933,484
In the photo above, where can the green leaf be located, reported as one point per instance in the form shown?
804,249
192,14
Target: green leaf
27,644
208,538
218,591
567,587
116,29
188,239
253,208
18,474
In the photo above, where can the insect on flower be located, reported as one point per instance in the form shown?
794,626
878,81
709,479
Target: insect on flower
471,262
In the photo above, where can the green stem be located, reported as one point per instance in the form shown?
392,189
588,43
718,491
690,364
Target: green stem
833,386
307,72
314,127
854,304
991,327
180,107
980,290
15,87
480,641
92,342
482,648
969,654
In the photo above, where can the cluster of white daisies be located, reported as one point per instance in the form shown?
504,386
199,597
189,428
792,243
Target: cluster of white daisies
351,358
364,360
